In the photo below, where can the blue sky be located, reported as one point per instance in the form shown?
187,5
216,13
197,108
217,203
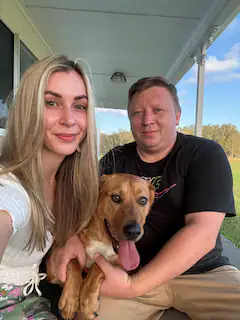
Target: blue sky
221,92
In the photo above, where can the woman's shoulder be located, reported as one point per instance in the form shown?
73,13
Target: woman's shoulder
11,182
14,200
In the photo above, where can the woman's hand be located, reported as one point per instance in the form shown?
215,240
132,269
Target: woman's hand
60,257
117,282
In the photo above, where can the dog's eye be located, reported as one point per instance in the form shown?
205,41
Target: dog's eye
116,198
142,201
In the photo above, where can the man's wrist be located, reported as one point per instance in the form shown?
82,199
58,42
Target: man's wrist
134,287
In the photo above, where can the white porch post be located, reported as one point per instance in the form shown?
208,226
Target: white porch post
201,59
200,90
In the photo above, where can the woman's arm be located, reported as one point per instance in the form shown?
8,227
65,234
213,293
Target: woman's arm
5,230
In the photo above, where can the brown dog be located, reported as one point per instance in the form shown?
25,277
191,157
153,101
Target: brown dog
124,203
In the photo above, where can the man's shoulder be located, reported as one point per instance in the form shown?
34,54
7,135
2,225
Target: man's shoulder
199,151
127,146
122,149
116,158
191,139
195,144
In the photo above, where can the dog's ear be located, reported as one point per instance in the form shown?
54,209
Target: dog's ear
103,179
152,192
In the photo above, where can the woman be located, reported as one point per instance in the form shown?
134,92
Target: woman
48,177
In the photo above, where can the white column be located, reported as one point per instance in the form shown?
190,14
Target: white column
200,90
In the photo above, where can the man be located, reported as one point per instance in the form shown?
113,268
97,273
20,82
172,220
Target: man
182,265
181,259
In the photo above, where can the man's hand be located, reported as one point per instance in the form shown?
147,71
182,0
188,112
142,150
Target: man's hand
117,282
60,257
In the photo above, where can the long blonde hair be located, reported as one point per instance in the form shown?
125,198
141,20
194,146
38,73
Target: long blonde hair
77,177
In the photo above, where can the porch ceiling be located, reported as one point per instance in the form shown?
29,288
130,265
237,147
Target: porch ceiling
139,38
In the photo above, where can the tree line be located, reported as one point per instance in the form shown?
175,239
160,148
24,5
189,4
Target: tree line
227,135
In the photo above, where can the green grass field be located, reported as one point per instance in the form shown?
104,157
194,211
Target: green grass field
231,226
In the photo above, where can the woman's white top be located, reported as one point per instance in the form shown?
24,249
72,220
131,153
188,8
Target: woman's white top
18,266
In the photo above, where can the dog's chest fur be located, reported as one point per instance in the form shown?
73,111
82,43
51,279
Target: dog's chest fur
106,250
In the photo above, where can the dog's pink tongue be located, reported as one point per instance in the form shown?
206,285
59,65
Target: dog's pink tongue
128,255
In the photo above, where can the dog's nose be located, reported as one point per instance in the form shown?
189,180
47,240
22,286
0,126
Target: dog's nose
132,230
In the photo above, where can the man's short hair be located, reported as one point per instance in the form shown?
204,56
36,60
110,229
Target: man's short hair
149,82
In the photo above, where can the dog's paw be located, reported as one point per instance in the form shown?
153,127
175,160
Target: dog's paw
68,305
89,304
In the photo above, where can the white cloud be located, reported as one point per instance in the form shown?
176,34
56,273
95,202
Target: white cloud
234,52
192,79
182,93
215,65
231,61
226,77
219,70
116,112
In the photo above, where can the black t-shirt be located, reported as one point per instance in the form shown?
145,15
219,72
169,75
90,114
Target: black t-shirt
194,177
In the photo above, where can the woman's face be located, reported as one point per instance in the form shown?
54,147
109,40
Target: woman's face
65,114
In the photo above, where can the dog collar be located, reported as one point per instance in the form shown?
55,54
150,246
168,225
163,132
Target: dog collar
115,242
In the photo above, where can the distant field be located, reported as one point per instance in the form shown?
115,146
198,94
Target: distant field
235,164
231,226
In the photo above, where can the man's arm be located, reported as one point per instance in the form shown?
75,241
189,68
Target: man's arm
181,252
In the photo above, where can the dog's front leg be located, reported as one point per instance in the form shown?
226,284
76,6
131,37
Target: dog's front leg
89,295
69,300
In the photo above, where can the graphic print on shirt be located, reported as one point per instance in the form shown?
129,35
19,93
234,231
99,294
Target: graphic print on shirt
156,182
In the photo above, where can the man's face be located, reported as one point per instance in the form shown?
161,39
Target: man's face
153,119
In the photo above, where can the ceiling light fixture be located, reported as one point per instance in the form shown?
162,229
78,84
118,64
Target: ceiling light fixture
118,77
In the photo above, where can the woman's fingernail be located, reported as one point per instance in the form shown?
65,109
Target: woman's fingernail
95,314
